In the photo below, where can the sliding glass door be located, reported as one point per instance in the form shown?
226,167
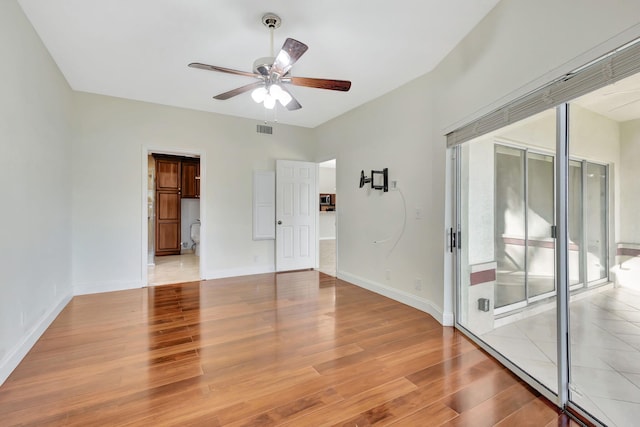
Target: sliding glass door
548,254
524,199
506,212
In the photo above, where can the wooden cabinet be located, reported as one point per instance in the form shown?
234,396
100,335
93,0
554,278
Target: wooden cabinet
191,179
167,174
168,181
176,178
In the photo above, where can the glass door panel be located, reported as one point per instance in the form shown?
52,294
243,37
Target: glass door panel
574,206
603,352
496,181
540,217
596,218
510,235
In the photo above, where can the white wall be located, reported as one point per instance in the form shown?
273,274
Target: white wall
326,180
327,225
518,47
391,132
35,146
630,182
108,158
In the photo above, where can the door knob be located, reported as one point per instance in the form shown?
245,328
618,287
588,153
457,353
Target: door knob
279,222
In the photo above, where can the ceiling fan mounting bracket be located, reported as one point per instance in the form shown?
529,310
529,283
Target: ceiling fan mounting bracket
271,20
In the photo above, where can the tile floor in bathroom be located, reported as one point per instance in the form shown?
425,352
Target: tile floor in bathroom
605,352
174,269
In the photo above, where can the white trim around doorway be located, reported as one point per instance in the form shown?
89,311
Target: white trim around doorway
146,151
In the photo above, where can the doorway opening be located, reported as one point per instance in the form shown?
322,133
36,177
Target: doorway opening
327,230
173,226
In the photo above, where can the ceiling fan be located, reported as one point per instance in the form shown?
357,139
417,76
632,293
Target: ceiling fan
272,74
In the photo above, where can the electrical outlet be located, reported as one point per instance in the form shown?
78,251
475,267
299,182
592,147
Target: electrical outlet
417,284
418,213
393,185
256,258
387,274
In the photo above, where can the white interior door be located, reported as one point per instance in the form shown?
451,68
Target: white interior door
296,215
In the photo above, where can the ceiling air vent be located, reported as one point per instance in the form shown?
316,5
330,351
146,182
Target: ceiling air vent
264,129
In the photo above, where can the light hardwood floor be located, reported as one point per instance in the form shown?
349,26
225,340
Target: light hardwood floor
299,349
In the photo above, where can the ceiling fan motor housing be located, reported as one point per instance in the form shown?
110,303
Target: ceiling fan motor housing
262,65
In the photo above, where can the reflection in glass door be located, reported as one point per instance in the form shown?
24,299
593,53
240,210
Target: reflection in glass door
510,235
574,207
588,221
524,185
596,223
540,219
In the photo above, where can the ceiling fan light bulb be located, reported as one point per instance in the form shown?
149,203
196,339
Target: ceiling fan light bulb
275,91
269,102
284,98
259,94
278,93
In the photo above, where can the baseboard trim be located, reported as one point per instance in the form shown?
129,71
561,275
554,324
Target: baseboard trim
235,272
20,350
414,301
99,287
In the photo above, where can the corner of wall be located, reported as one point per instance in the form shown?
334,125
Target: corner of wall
20,350
422,304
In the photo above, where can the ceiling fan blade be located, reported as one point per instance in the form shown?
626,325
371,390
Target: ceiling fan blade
342,85
239,90
293,104
223,70
291,51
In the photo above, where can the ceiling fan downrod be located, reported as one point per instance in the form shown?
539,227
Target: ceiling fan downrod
271,21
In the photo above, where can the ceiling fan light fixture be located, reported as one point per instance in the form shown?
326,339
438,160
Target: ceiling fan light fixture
259,94
278,93
285,99
269,102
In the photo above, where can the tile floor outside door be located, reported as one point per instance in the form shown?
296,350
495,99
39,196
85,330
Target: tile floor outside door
605,352
328,256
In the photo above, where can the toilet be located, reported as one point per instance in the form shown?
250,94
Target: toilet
195,237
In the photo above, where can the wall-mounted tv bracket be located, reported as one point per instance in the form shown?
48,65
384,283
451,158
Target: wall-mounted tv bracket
379,179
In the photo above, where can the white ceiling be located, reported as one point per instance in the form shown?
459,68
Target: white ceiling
619,101
140,49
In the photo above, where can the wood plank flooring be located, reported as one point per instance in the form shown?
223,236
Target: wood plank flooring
294,349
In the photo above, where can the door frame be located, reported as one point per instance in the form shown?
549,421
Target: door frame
148,150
